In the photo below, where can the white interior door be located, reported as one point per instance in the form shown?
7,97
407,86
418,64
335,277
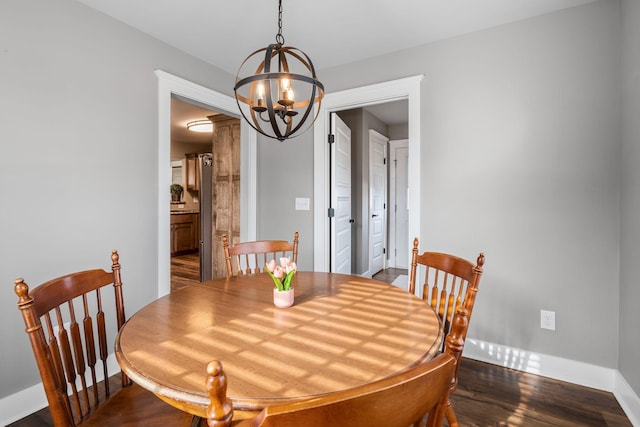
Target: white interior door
401,225
399,245
377,201
341,196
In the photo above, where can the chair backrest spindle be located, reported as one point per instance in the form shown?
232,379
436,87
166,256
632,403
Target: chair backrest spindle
452,287
449,282
251,257
61,323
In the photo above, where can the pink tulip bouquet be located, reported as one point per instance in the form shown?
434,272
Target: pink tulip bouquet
281,274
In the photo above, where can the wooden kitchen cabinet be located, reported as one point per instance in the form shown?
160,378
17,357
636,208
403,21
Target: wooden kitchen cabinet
184,233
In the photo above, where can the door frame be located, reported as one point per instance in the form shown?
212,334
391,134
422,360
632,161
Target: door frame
169,84
393,177
406,88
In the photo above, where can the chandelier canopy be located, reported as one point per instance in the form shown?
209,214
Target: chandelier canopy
277,98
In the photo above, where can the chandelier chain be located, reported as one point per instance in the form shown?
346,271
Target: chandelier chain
279,36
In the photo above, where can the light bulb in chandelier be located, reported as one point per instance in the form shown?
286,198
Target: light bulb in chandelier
286,98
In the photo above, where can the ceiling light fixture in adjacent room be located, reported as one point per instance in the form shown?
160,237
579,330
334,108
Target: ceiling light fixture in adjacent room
202,126
277,96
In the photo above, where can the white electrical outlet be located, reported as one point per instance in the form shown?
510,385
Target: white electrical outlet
548,320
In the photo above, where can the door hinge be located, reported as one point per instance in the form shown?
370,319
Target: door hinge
332,139
384,250
384,161
331,213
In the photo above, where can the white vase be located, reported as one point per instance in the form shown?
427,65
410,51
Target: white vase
283,299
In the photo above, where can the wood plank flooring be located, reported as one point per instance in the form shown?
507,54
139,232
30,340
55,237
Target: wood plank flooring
487,395
490,395
185,270
389,275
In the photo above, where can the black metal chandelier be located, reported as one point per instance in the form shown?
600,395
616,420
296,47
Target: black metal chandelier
278,99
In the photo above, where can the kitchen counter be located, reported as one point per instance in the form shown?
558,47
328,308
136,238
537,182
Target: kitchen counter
184,211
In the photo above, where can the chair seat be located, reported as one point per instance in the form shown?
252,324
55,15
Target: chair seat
135,406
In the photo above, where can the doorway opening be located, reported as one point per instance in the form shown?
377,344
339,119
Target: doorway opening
402,89
366,168
170,86
359,179
194,240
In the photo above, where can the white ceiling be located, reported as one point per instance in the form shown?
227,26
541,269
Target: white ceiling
183,113
331,32
391,113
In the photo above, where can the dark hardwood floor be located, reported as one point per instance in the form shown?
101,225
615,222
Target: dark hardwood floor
389,275
492,396
487,395
185,270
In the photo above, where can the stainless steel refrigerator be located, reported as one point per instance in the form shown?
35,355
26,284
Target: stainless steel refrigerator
205,177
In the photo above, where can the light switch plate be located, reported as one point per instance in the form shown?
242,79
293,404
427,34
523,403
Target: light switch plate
303,204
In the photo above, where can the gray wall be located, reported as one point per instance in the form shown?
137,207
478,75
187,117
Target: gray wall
285,172
521,160
520,153
522,122
78,154
630,196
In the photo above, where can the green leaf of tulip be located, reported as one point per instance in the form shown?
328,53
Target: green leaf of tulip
277,281
287,280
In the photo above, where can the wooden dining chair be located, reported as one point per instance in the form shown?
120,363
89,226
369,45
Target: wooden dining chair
395,401
67,321
251,257
448,283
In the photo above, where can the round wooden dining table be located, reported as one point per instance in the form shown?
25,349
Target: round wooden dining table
342,331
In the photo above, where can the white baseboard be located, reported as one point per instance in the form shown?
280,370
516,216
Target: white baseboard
628,399
22,403
32,399
580,373
558,368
